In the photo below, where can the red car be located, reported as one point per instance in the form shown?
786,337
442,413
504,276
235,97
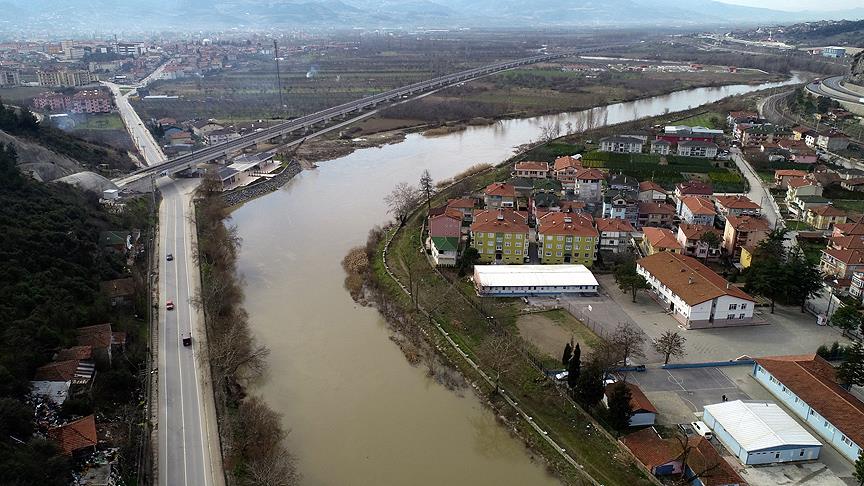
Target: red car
169,305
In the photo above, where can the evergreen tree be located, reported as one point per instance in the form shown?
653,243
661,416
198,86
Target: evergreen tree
568,353
859,468
846,318
589,385
851,372
767,274
620,409
804,279
426,187
574,367
628,279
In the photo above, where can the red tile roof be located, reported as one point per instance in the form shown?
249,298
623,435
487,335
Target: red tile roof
695,231
694,188
76,435
797,182
75,353
57,371
827,211
847,242
650,449
849,229
737,202
461,203
688,278
813,379
661,238
565,162
849,257
500,221
709,465
532,165
748,223
449,212
638,401
655,208
500,189
572,224
614,225
590,175
98,336
698,205
651,186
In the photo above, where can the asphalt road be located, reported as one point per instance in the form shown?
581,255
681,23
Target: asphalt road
141,137
757,193
184,449
832,88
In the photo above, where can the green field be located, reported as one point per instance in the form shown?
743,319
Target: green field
708,119
108,121
678,169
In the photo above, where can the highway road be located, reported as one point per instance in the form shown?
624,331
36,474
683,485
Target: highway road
832,88
188,442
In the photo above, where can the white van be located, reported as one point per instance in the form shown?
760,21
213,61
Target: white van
702,429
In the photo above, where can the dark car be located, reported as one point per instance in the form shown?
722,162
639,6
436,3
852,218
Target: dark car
170,257
187,340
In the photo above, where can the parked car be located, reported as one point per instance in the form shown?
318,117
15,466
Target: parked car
187,340
702,429
170,257
169,305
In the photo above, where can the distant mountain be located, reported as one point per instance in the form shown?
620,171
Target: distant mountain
217,14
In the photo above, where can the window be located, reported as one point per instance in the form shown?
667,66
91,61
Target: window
506,243
801,453
741,316
733,306
558,254
730,316
479,235
506,252
548,253
743,306
480,250
518,237
489,243
559,246
508,236
518,252
560,238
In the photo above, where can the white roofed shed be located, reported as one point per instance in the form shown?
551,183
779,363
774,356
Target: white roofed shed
524,280
760,432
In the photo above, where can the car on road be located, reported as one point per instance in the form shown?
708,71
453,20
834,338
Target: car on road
187,340
169,305
170,257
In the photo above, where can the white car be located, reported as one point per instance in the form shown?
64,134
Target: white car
700,428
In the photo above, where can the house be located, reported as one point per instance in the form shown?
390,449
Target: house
697,148
701,465
841,263
228,177
447,224
760,432
759,134
783,176
697,210
802,187
499,195
660,215
825,217
659,240
620,144
55,391
464,205
202,127
620,205
500,235
99,338
119,241
91,101
565,168
736,206
545,201
75,437
807,385
119,291
660,147
221,135
848,229
531,170
746,258
510,281
695,295
176,138
854,185
445,250
615,234
650,191
588,185
800,204
691,188
856,287
643,410
833,51
566,238
799,151
800,133
832,141
624,183
690,236
741,231
678,134
74,371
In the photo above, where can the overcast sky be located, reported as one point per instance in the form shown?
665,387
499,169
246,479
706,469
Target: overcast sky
799,4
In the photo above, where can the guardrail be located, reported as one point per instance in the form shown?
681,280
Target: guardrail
709,364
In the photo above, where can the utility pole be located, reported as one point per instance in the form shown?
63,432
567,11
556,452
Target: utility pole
278,79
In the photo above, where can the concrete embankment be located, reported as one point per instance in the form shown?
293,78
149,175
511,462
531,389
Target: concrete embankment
243,194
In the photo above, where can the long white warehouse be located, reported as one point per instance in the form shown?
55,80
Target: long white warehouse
760,432
523,280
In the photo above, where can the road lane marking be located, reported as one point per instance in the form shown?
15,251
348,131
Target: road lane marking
179,361
163,382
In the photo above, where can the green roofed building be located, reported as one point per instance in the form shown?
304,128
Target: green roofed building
445,249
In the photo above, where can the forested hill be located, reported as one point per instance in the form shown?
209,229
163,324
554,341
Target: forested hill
50,269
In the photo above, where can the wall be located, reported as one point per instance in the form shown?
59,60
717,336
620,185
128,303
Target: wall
535,290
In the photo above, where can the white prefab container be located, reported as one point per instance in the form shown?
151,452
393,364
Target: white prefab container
110,194
519,280
760,432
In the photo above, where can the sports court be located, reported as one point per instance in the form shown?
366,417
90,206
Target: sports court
696,386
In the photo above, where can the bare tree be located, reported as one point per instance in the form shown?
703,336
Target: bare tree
498,352
699,467
550,131
402,200
629,340
670,344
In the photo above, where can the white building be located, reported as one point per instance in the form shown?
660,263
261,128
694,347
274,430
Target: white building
696,296
627,145
760,432
643,410
444,250
517,280
696,148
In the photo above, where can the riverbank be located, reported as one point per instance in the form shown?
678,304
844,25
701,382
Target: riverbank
253,450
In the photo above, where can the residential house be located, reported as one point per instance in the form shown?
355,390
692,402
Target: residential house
180,138
808,386
736,206
695,295
825,217
76,437
650,191
567,238
545,201
799,151
800,133
99,338
623,183
797,187
621,144
660,147
119,291
738,116
50,101
464,205
620,205
799,206
565,168
832,141
500,235
697,210
615,234
691,188
661,457
499,195
678,134
72,371
759,134
856,287
810,139
531,170
445,250
91,101
741,231
841,264
783,176
848,229
746,258
216,137
659,215
659,240
698,149
202,127
643,410
589,185
854,185
690,236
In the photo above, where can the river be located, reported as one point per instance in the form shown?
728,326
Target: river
359,414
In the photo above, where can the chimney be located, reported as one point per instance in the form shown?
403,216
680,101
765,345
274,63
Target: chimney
568,220
689,280
728,285
500,216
